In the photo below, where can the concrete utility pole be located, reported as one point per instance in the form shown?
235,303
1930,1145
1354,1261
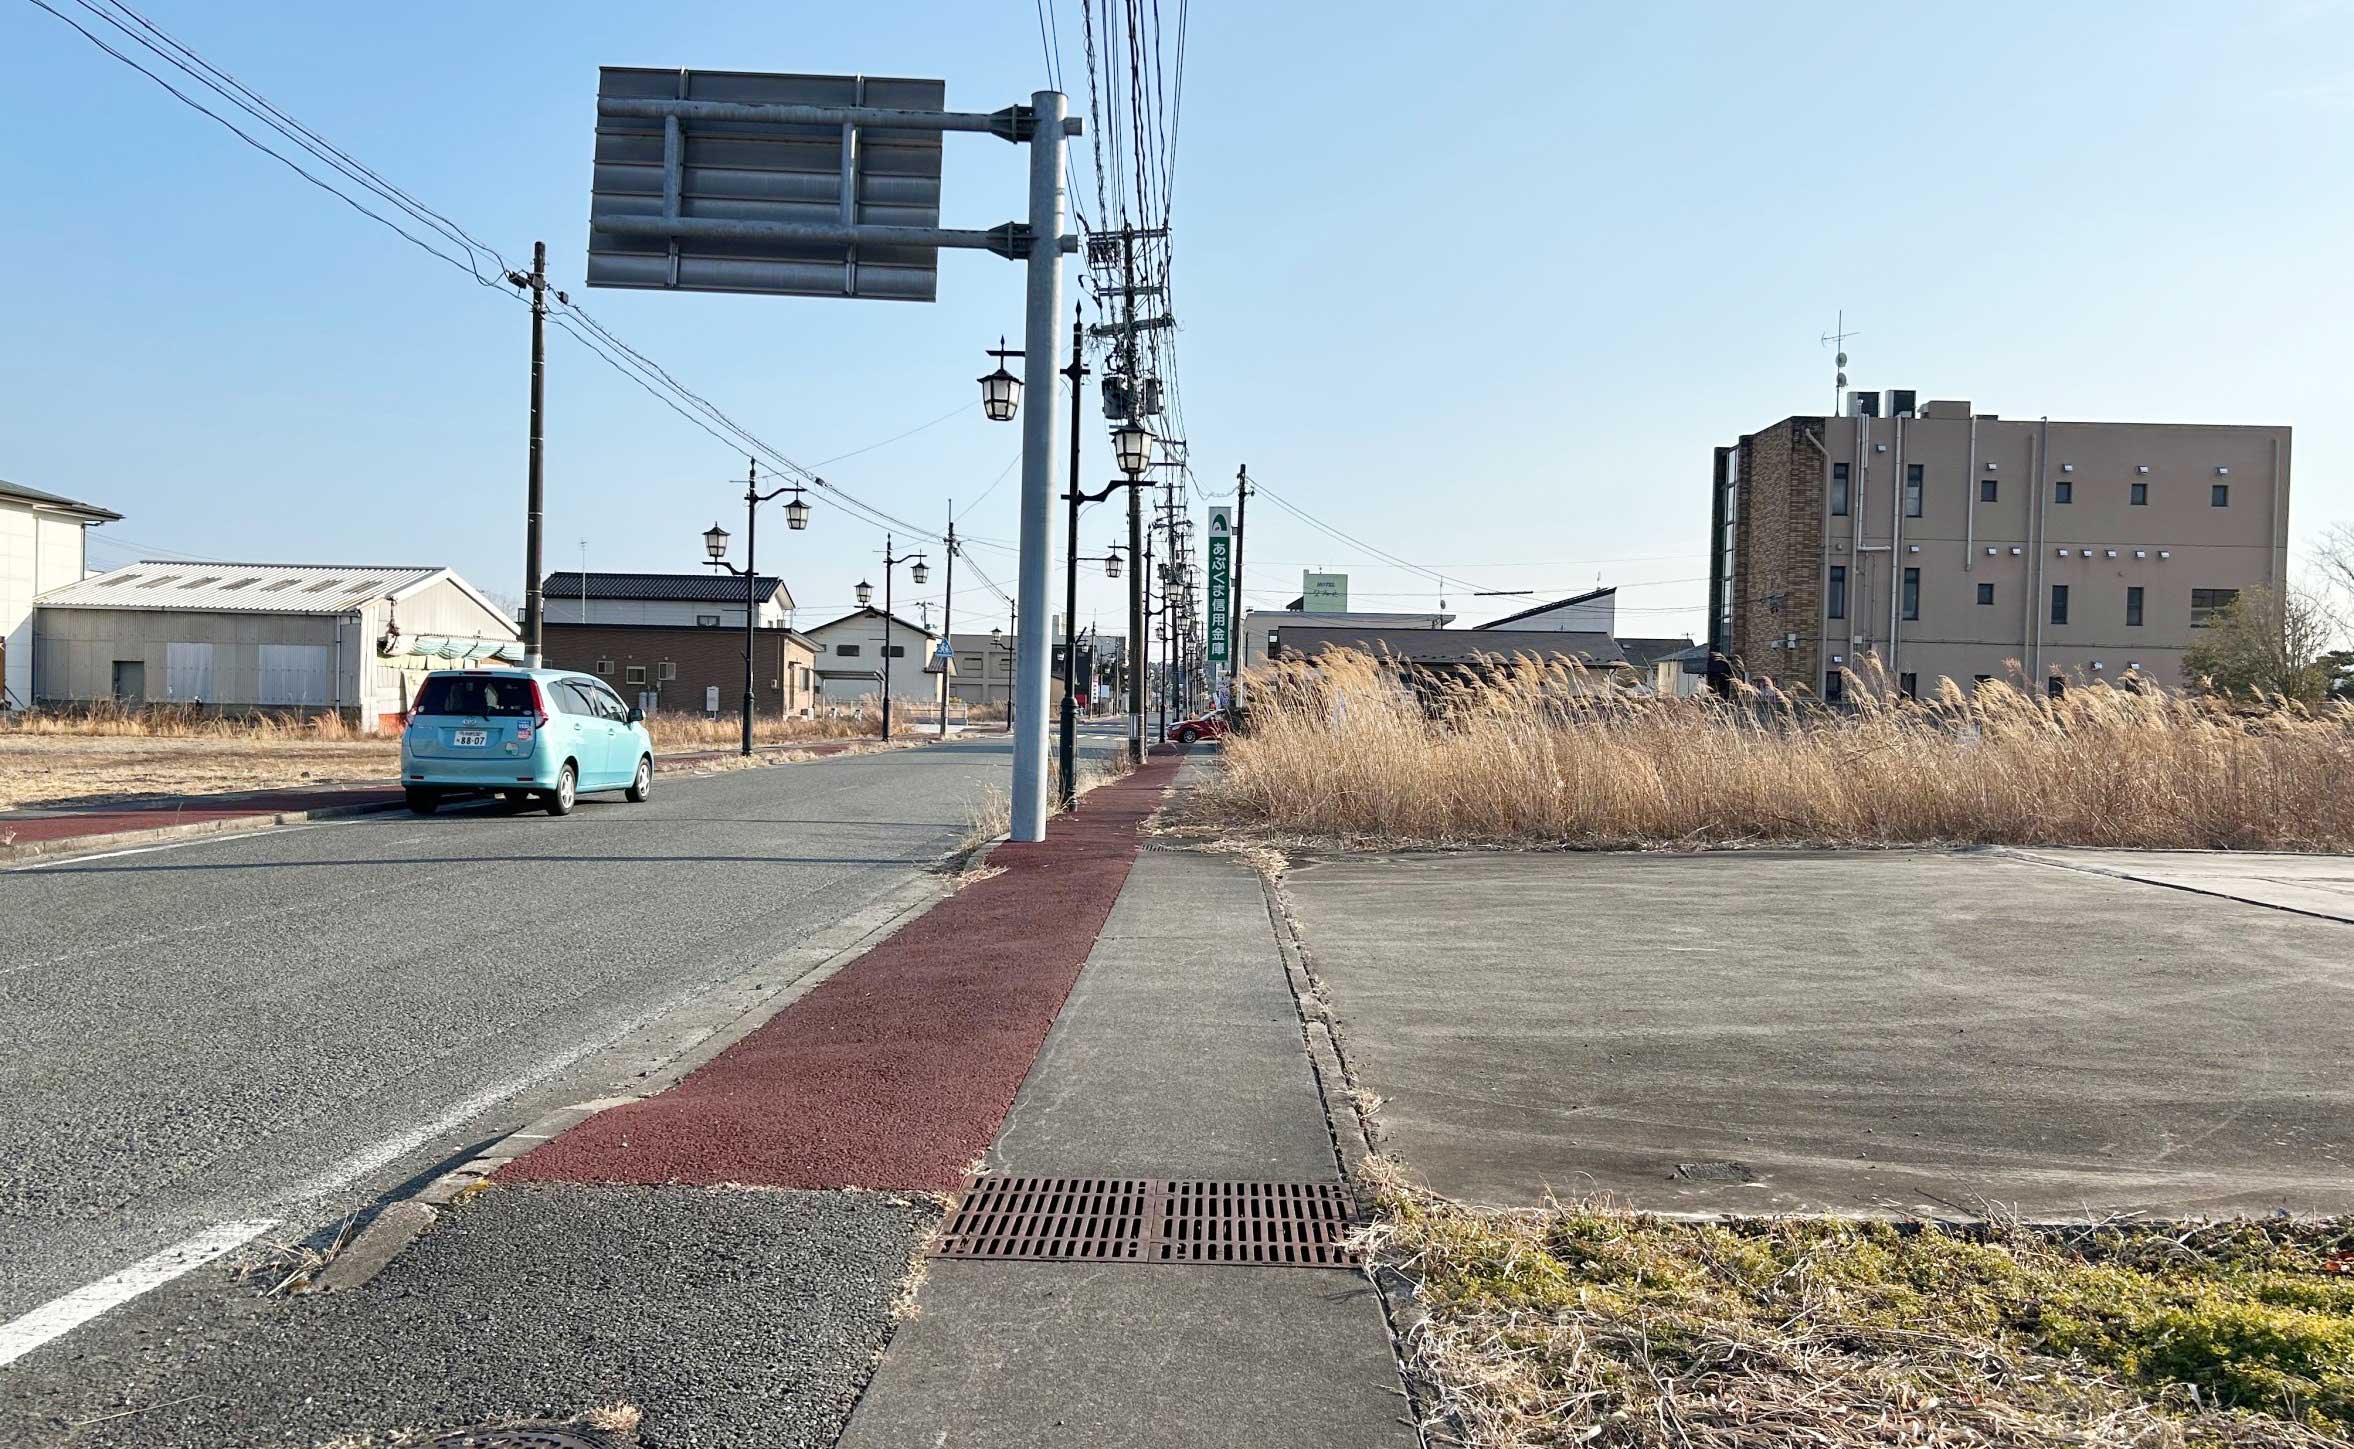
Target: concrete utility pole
534,604
948,626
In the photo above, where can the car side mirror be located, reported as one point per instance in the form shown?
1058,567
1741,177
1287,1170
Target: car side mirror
636,715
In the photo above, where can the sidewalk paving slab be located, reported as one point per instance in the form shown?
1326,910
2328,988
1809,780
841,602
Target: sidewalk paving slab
2314,885
1179,1055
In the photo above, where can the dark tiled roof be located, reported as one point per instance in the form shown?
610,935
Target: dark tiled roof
711,588
1585,598
23,494
1644,652
1451,646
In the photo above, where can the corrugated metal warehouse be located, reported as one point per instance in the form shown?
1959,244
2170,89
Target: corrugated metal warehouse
239,638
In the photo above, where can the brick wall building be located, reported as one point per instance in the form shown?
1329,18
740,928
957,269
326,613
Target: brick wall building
1945,543
666,667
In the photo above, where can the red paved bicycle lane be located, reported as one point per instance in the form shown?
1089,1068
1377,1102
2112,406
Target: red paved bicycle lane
897,1071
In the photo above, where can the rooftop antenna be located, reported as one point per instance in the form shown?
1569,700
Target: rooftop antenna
1839,335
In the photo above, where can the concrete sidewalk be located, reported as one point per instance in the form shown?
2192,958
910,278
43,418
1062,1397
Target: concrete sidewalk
1178,1055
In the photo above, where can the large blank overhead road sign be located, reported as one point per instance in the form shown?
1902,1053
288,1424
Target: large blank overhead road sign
694,192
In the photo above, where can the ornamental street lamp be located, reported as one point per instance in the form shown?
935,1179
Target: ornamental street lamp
1132,447
715,551
1111,563
920,573
865,592
1001,391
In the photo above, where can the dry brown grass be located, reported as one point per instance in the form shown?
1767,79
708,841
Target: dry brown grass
1582,1323
1555,756
43,767
109,753
993,814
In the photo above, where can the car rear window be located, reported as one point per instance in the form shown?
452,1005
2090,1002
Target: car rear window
476,694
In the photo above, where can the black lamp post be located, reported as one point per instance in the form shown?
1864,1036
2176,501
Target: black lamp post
997,638
715,547
919,573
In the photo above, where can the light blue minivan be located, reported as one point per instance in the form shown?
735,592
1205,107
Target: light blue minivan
524,734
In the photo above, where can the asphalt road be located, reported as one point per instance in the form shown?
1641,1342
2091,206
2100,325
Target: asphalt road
288,1025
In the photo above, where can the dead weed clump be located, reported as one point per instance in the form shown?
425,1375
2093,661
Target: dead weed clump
1586,1324
1348,750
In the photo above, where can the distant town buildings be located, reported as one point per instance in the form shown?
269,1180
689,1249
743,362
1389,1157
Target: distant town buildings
674,643
1947,543
244,638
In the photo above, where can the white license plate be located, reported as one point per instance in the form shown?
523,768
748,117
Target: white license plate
469,737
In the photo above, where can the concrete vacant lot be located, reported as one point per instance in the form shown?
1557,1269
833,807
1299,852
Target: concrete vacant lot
1918,1032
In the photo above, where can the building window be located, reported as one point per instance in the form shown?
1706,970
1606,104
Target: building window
1981,678
667,670
2133,598
1912,593
1986,593
2138,494
2219,495
847,651
1908,684
2207,605
1989,489
2059,603
894,651
2064,491
605,668
2055,686
706,621
634,674
1839,490
1838,603
1912,490
1834,687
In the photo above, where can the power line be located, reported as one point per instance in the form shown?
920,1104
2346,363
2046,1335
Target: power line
630,362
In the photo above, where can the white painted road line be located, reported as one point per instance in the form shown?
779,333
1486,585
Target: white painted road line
63,1315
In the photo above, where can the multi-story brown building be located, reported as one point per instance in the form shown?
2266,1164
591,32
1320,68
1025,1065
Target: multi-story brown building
1950,543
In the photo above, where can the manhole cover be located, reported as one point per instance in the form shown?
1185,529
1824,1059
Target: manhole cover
1151,1220
1713,1172
539,1435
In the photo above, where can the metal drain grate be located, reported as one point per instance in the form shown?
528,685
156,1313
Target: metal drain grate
1150,1220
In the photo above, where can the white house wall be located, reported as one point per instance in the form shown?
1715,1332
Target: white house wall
38,551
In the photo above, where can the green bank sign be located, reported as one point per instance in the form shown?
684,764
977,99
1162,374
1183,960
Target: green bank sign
1221,618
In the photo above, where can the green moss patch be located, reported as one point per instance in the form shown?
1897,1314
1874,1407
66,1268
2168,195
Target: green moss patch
1584,1324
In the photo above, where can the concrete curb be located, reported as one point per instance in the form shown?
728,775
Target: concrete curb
398,1223
2027,854
1353,1141
69,845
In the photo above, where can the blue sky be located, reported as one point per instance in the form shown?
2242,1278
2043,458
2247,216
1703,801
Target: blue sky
1479,284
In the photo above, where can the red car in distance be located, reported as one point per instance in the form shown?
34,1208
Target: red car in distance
1211,726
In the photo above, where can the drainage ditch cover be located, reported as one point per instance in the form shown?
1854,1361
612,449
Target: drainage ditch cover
535,1435
1151,1220
1713,1172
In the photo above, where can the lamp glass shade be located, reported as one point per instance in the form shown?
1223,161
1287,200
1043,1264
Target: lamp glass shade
865,592
796,514
920,572
1132,447
1001,396
715,542
1111,565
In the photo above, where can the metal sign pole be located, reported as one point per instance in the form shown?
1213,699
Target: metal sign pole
1041,421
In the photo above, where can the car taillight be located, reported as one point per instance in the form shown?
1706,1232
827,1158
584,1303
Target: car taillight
539,705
